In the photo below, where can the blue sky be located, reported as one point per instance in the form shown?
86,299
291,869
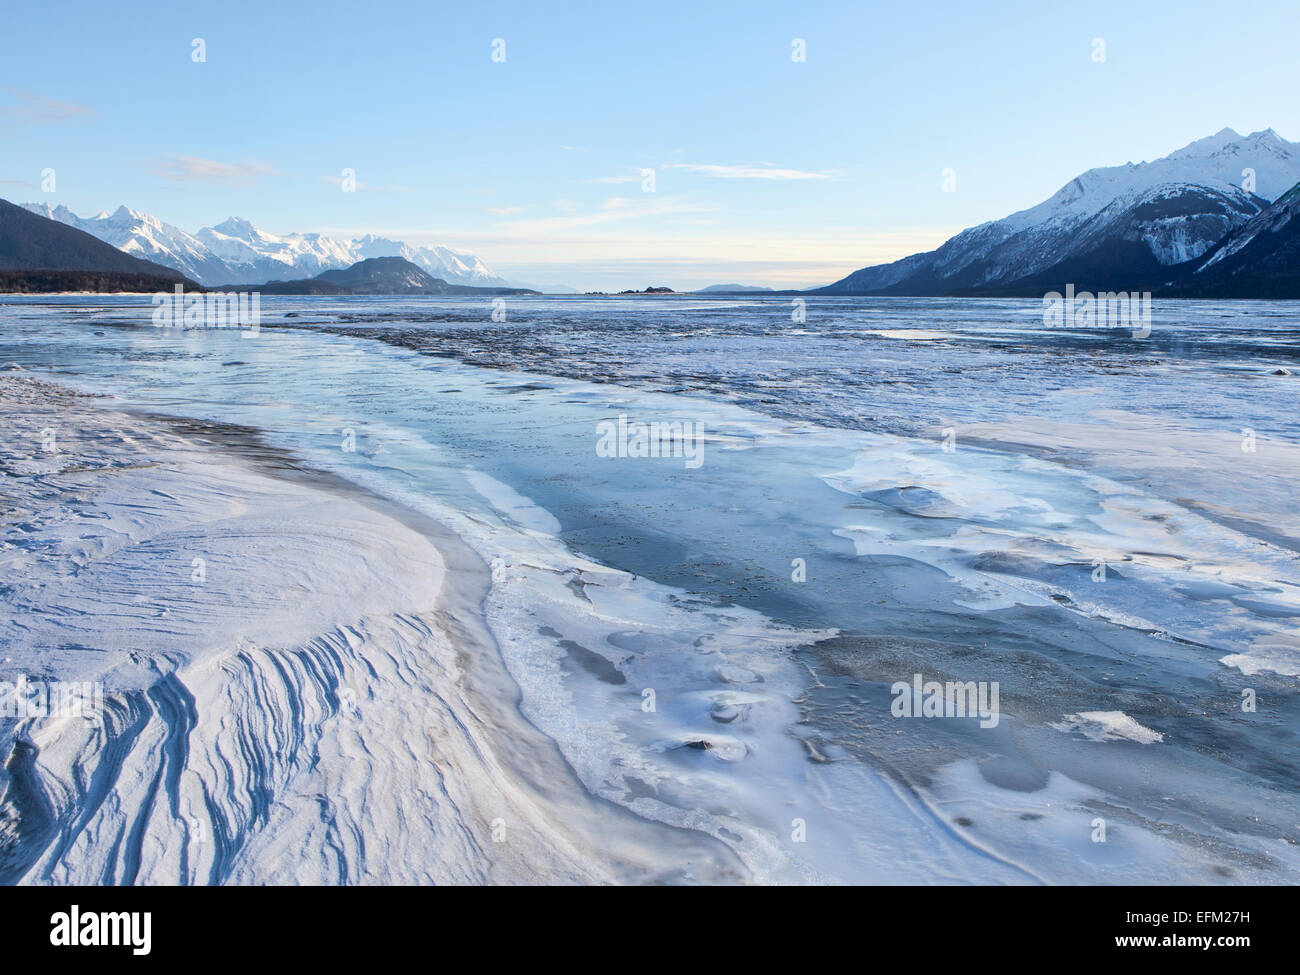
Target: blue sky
767,170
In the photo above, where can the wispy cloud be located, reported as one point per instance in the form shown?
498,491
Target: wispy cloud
193,169
752,171
619,256
28,107
616,208
623,255
505,211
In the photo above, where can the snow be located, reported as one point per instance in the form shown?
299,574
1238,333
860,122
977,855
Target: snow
1108,726
236,252
1267,221
1215,162
1201,186
323,706
958,558
144,236
1277,657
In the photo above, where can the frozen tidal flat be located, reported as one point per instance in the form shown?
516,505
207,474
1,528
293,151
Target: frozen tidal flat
334,704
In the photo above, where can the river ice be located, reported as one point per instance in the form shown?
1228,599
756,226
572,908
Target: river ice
1101,525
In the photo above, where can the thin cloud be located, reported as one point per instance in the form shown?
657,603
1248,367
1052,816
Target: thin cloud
29,107
193,169
619,261
613,209
620,255
758,171
505,211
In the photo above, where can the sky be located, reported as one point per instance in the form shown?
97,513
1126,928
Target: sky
522,132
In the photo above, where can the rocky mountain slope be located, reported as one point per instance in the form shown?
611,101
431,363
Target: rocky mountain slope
1107,227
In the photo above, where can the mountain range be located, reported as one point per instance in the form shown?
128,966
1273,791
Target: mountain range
39,255
1217,218
1142,225
381,276
236,252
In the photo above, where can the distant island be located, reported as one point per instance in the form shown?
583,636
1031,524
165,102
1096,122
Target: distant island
376,276
647,291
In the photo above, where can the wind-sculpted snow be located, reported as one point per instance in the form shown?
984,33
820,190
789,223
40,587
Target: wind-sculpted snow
302,713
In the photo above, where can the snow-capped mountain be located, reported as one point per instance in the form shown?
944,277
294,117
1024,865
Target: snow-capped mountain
1270,240
236,252
145,237
1260,259
438,261
30,243
1110,224
254,256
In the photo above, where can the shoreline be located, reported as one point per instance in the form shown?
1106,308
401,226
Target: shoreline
335,773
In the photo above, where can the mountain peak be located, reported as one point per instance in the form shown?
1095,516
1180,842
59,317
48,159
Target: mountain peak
236,227
1133,220
1208,145
236,252
1229,141
29,241
40,209
383,275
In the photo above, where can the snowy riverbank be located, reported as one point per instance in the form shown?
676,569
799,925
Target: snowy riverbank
298,686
